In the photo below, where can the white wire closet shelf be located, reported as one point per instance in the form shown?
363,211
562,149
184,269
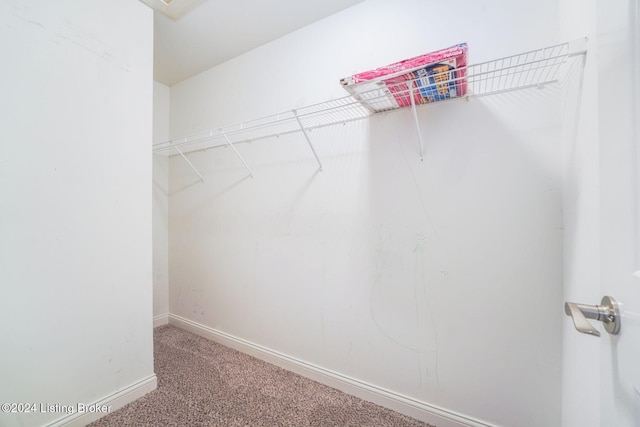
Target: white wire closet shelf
535,68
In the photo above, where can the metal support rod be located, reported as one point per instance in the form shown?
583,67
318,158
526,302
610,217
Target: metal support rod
415,117
189,163
306,135
237,153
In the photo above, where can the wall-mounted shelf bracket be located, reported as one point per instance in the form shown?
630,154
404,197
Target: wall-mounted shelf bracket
237,153
415,118
189,163
306,135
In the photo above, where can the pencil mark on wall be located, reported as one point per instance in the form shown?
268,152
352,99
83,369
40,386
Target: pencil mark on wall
84,40
418,252
67,31
424,343
383,268
178,296
427,334
254,268
421,197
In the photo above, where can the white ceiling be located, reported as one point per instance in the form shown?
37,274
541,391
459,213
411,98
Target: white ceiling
214,31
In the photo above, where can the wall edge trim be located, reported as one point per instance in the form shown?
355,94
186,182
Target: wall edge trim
389,399
161,319
116,400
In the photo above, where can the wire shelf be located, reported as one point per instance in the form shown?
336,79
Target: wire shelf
530,69
327,113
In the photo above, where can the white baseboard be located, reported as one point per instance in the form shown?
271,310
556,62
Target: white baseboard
110,403
161,319
405,405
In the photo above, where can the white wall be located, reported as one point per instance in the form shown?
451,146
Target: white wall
75,205
161,119
438,281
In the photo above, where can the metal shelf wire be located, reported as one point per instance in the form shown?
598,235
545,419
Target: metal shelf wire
530,69
327,113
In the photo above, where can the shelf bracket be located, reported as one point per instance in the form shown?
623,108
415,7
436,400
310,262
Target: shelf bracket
237,153
189,163
578,47
415,117
306,135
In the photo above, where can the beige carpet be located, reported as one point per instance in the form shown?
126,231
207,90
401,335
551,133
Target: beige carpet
202,383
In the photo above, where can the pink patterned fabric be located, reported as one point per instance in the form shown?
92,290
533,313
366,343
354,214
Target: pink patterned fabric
438,75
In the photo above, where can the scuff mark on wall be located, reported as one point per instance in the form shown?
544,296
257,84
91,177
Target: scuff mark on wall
383,267
85,40
65,31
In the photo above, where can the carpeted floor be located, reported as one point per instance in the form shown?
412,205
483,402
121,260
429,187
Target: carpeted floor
202,383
